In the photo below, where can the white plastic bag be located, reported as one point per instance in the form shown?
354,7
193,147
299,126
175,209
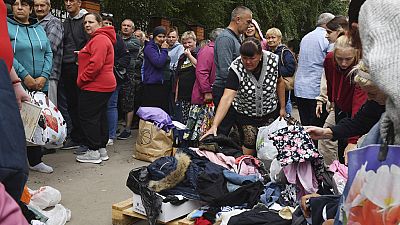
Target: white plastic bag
45,197
51,130
58,215
274,170
265,147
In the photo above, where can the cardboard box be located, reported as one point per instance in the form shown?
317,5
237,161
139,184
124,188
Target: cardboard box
168,211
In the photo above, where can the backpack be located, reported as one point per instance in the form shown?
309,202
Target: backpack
289,81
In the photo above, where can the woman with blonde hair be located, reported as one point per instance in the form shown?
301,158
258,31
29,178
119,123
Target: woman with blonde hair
287,62
186,76
342,91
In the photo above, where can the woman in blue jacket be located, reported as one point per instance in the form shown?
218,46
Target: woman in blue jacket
155,59
32,61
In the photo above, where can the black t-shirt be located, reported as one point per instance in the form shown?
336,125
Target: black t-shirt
186,72
233,80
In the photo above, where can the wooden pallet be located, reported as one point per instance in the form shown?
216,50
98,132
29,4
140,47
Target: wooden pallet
123,214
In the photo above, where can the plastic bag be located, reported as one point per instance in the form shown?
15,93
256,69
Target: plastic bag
274,170
45,197
138,183
265,147
51,130
58,215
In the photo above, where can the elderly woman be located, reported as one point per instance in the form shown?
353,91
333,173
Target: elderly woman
97,82
287,61
256,91
32,62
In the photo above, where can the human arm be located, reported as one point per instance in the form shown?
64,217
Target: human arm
222,110
223,56
189,55
205,66
319,133
96,52
359,98
280,89
368,115
155,57
289,66
323,96
122,57
47,67
20,93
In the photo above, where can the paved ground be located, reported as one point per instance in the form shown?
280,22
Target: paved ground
89,190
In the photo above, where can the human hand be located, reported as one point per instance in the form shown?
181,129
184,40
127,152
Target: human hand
30,83
21,94
282,113
208,97
318,133
164,45
303,205
212,130
187,52
318,110
350,147
40,81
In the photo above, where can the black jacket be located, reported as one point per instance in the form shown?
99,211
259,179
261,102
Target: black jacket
75,38
368,115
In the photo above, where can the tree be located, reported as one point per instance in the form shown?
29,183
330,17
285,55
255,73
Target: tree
293,17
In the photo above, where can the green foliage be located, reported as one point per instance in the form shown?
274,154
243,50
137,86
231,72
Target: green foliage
293,17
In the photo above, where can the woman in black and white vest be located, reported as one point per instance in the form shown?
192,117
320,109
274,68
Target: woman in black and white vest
255,90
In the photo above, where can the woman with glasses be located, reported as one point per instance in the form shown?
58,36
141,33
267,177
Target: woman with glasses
32,62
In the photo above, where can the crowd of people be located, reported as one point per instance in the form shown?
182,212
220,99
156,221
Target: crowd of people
94,75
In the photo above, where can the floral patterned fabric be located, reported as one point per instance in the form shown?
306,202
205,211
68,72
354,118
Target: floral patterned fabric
294,145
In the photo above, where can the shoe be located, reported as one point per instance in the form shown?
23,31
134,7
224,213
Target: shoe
82,149
41,167
103,154
90,156
69,144
110,142
118,132
124,135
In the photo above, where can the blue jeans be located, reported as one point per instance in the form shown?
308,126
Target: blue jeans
289,105
112,114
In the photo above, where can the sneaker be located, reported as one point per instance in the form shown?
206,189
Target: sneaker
110,142
82,149
124,135
118,132
69,144
41,167
103,154
89,157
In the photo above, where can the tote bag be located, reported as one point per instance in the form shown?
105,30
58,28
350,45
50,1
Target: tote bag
372,194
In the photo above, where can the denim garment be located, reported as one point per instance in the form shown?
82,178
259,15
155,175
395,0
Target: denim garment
239,179
112,114
313,49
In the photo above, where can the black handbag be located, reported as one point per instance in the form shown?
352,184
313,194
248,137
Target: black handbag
120,74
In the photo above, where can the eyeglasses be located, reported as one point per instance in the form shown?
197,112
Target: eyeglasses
107,14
